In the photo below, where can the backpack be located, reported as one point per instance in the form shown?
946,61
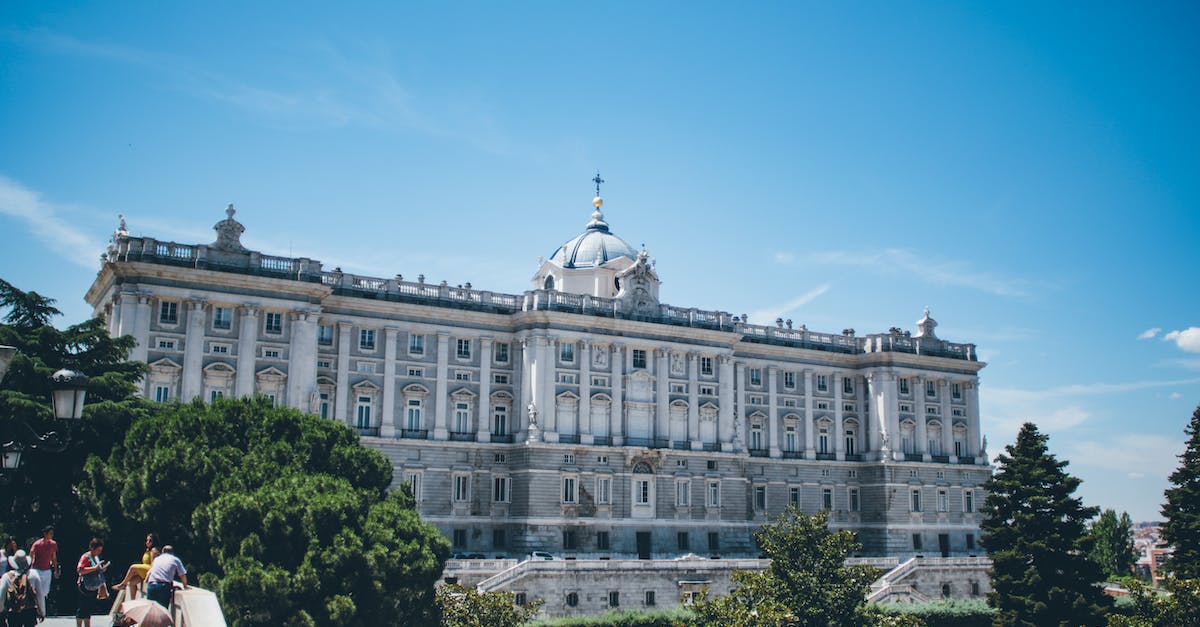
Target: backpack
20,598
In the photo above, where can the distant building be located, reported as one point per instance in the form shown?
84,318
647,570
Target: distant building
582,417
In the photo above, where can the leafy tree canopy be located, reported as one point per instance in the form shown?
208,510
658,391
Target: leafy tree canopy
807,583
467,607
1112,544
1176,605
287,514
1033,530
1182,509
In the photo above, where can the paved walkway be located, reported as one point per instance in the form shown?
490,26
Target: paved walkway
69,621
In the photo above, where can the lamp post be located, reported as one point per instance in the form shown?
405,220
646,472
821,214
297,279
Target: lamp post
69,395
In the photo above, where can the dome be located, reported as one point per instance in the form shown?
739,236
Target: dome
594,247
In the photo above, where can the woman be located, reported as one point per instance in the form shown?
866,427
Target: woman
137,572
91,579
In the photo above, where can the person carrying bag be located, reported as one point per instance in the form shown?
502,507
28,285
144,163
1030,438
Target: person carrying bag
91,582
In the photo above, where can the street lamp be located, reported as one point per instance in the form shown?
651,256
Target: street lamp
70,388
68,396
11,458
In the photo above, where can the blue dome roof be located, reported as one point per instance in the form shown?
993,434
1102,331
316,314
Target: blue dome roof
594,247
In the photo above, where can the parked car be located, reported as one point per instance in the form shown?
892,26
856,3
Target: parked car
475,556
541,555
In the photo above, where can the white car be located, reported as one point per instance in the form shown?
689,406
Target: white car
541,555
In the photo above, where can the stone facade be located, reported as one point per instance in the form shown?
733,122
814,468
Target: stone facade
582,417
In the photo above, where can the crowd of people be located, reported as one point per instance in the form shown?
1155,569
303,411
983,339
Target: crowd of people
26,579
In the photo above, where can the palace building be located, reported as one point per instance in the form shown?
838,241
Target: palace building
583,417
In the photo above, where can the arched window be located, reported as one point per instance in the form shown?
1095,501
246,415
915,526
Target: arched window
549,282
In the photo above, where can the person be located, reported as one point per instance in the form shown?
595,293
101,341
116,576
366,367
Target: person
136,573
19,595
90,570
160,581
9,550
45,569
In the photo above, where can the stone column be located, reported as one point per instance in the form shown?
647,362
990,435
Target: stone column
387,421
302,361
874,399
247,348
483,427
441,396
193,352
547,405
585,392
141,329
947,421
774,431
739,408
974,445
693,366
839,429
662,385
341,395
921,434
810,423
524,386
617,413
892,400
725,398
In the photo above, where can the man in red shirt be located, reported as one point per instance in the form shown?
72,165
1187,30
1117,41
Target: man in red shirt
44,554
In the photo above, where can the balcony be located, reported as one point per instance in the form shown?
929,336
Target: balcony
414,434
681,446
854,457
502,438
828,457
940,459
368,431
568,438
793,455
648,442
462,436
914,457
710,447
759,452
602,440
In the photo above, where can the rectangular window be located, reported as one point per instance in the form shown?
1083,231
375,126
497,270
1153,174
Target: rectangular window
904,386
215,394
916,501
711,464
855,504
930,389
462,375
794,497
569,540
168,313
916,541
366,339
569,459
714,541
650,593
416,344
501,379
460,538
222,318
943,503
822,383
956,412
756,438
270,353
602,459
679,388
956,391
367,367
500,489
706,366
498,539
600,382
642,488
519,599
848,407
827,498
273,323
500,353
790,439
414,414
566,352
416,372
755,376
970,542
847,385
324,363
500,458
681,540
462,488
714,494
166,345
968,501
162,393
603,490
568,490
683,493
323,404
601,540
756,399
760,497
363,412
325,334
462,417
566,377
789,380
614,599
413,479
708,390
639,358
500,419
463,348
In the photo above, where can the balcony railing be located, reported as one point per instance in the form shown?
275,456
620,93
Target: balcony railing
681,446
759,452
710,447
462,436
502,438
827,456
793,455
940,459
568,438
602,440
368,431
414,434
648,442
854,457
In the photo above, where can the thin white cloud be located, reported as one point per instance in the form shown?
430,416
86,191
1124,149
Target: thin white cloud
1149,333
1187,339
1175,396
893,261
44,222
1151,455
768,315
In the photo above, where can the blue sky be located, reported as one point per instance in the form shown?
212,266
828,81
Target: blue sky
1028,171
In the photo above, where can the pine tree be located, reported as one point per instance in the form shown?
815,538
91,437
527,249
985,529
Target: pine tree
1182,508
1034,532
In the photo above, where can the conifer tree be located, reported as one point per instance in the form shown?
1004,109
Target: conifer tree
1182,509
1034,532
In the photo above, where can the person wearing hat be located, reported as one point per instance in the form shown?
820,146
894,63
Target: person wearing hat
21,610
45,566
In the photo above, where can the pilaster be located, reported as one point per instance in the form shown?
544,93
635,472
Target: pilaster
617,414
922,419
947,421
693,368
725,399
810,423
387,420
739,393
662,385
839,429
482,427
341,395
585,393
774,431
441,395
193,352
247,349
302,362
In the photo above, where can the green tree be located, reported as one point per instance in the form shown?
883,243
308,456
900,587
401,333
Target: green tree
1112,543
42,491
285,515
807,583
1033,530
1177,604
467,607
1182,509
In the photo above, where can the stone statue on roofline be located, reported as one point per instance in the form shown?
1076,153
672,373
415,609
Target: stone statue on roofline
229,233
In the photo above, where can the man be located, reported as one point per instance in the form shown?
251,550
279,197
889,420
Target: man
160,581
45,561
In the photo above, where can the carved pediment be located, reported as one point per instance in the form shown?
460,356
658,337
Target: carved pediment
165,365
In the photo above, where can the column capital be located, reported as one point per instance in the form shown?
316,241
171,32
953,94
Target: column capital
772,368
196,303
662,352
724,358
485,340
391,331
693,356
249,310
441,333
